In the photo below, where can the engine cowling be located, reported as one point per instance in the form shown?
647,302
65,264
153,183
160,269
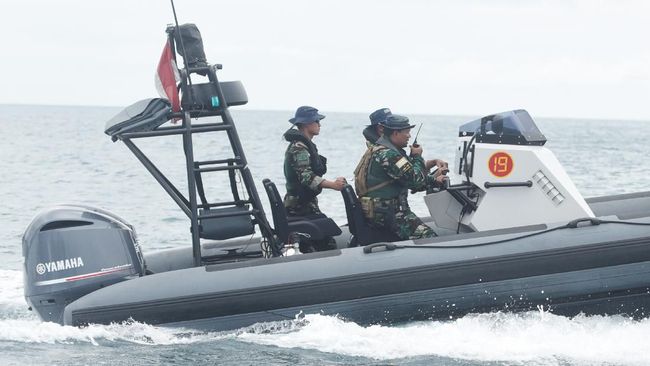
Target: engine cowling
72,250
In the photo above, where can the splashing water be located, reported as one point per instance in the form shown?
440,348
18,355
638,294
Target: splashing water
537,337
133,332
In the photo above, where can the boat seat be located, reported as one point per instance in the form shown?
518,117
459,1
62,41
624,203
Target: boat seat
317,226
362,233
221,228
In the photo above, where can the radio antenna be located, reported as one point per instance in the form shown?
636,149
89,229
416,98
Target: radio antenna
181,36
184,53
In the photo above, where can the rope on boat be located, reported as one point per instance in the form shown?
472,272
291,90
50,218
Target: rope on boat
570,225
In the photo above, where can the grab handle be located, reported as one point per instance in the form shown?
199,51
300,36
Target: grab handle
387,246
508,184
592,221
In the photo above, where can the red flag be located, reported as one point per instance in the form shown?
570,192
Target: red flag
167,78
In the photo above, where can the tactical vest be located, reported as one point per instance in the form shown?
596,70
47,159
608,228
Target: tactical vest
317,163
371,180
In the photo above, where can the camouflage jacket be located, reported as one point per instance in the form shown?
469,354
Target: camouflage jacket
392,172
302,170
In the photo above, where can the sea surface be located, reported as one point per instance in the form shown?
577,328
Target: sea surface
51,155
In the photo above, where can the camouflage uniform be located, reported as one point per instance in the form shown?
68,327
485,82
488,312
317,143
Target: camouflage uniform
303,168
389,176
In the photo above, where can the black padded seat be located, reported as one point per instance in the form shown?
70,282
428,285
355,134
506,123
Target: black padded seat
317,226
221,228
362,233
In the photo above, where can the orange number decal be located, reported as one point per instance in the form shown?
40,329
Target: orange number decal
500,164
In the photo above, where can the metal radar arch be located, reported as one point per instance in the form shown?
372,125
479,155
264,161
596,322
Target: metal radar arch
221,220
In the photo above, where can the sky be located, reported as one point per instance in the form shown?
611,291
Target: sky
569,58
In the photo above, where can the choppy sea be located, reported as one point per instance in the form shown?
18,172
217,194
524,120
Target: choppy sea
59,154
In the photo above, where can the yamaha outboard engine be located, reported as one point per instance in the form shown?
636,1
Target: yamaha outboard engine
73,250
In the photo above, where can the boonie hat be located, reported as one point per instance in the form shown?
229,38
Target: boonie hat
379,116
306,114
396,122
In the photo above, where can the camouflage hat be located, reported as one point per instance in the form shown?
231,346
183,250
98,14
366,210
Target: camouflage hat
379,116
396,122
306,114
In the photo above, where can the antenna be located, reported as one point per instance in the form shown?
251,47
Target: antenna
184,53
415,142
180,38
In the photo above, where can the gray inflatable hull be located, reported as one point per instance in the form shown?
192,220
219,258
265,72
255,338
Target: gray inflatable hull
601,269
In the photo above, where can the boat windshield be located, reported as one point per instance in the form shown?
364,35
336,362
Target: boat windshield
510,128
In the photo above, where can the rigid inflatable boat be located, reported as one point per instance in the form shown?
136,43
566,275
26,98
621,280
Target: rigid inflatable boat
514,234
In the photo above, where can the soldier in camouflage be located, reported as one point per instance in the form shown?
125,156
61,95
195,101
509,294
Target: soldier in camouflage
304,167
385,174
373,131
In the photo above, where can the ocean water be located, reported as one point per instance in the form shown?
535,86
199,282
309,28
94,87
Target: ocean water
52,155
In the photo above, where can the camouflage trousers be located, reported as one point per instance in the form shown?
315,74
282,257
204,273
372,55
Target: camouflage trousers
388,214
296,208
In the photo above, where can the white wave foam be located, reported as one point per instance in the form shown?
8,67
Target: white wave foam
533,337
34,331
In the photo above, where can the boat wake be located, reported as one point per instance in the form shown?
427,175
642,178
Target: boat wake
529,338
17,324
35,331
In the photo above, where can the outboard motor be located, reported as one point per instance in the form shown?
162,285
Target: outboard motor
73,250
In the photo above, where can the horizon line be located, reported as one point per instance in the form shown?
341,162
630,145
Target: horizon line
469,115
